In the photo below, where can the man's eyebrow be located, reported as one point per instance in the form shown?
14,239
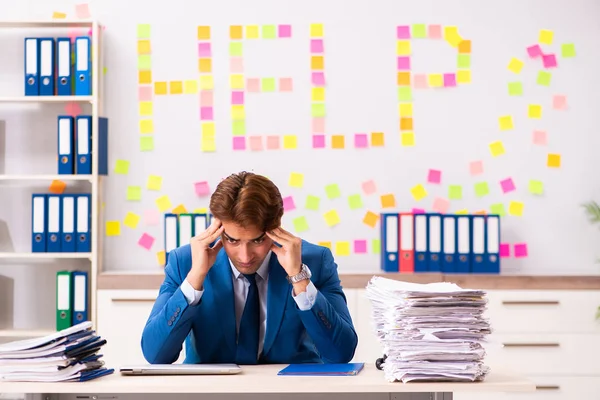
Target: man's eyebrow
229,237
260,237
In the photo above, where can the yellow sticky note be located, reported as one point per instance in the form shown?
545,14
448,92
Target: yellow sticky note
190,86
146,143
146,108
176,87
161,257
506,122
113,228
325,244
435,80
131,220
452,36
546,36
58,15
331,217
160,87
202,210
338,141
122,167
296,180
463,76
497,148
462,211
146,126
515,65
418,192
290,142
252,32
316,30
407,138
164,203
180,209
405,109
237,112
143,47
145,77
342,248
388,200
553,160
208,129
236,81
203,32
516,208
535,111
300,224
205,64
403,48
208,145
154,182
371,219
318,94
377,139
134,193
206,82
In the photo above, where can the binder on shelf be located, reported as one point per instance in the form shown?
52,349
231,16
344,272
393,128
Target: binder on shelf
32,67
200,223
421,235
463,244
83,66
38,223
102,146
448,244
434,229
407,253
64,297
478,258
390,225
186,228
492,264
83,223
171,234
54,238
64,77
66,137
84,144
67,227
47,64
80,297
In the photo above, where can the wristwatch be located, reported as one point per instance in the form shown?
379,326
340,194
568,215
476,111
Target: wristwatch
302,275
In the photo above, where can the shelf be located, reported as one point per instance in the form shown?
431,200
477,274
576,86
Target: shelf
46,24
34,177
45,99
25,333
44,256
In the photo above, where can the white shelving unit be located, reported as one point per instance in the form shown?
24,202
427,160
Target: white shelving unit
95,256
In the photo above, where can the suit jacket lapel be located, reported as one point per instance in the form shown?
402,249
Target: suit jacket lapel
277,295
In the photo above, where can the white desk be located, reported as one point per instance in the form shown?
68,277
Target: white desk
263,382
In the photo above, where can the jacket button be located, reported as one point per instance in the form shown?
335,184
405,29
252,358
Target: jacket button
170,323
177,310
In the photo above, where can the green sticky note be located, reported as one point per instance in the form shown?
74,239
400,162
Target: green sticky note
544,78
146,143
238,127
355,201
455,192
481,189
318,109
464,61
122,167
536,187
300,224
498,208
267,84
312,202
333,191
515,88
418,31
144,61
134,193
143,31
404,93
376,246
269,32
568,50
235,49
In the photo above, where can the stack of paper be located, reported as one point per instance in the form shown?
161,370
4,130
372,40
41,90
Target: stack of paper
67,355
429,332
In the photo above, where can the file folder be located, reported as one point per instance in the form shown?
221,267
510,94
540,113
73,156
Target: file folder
314,369
102,146
80,297
448,244
66,138
420,234
64,300
83,77
463,244
478,244
390,242
47,66
67,227
32,67
83,223
434,226
200,223
64,77
171,231
84,144
186,228
38,223
54,221
407,257
492,264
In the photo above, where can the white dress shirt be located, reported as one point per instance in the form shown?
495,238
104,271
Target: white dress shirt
304,300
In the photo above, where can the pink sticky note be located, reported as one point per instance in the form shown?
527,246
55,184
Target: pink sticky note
316,46
420,81
540,138
434,176
559,102
318,125
434,31
418,211
253,84
504,250
151,217
286,84
256,143
273,142
206,98
204,49
288,203
449,80
520,249
361,140
318,141
237,97
534,51
549,60
145,93
369,187
82,10
476,167
360,246
146,241
441,205
285,31
403,63
202,188
206,113
236,65
403,32
507,185
318,79
239,143
72,34
72,109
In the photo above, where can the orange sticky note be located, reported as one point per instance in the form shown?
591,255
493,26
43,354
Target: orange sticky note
160,87
143,47
180,209
236,32
553,160
203,32
176,87
371,219
325,244
317,62
205,64
161,257
406,124
145,77
337,141
464,47
388,201
377,139
57,187
403,78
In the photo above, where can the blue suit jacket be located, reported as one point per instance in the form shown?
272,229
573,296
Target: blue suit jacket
322,334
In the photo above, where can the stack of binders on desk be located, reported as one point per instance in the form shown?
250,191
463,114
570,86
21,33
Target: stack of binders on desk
429,332
70,355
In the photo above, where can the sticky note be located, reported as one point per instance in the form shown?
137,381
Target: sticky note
134,193
342,248
325,244
146,126
206,82
161,257
144,77
331,217
318,109
418,31
131,220
403,78
160,88
355,201
464,47
154,182
204,49
482,189
238,127
273,143
144,93
57,187
208,145
252,32
407,139
316,30
122,167
435,80
296,180
418,192
507,185
455,192
316,46
333,191
506,122
476,167
559,102
434,176
236,81
146,143
497,148
515,65
288,203
144,62
568,50
146,241
463,76
403,32
452,36
403,48
534,111
361,140
406,124
338,141
388,200
267,84
201,210
151,217
449,80
143,47
377,139
463,61
498,209
440,205
405,109
520,250
515,89
360,246
300,224
269,31
376,246
236,32
284,31
369,187
203,32
504,250
371,219
180,209
434,31
544,78
462,211
539,138
290,142
403,63
205,65
318,78
536,187
286,84
317,62
58,15
239,143
113,228
164,203
553,160
201,188
256,143
253,84
534,51
546,36
516,208
318,141
145,108
318,125
405,93
549,60
312,202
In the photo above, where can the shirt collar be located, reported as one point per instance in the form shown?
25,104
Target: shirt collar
263,270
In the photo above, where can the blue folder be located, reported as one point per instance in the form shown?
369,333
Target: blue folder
347,369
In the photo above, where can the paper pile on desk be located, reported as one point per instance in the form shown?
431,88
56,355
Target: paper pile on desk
429,332
67,355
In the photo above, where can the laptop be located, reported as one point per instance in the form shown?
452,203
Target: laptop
181,369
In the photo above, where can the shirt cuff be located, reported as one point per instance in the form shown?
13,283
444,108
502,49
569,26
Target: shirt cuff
306,300
192,295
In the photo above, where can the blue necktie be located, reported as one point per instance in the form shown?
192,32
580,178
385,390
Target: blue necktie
247,346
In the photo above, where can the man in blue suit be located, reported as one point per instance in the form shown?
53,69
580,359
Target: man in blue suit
259,295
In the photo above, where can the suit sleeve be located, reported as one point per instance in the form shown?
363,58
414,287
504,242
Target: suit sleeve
328,321
170,320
